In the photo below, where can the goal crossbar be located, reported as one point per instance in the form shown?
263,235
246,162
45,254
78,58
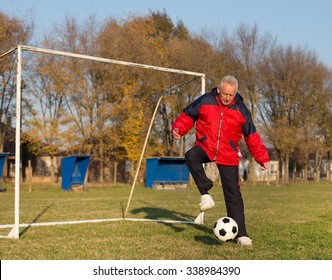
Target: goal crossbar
14,233
111,61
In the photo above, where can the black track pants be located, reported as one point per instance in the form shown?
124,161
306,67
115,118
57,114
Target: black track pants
229,176
195,158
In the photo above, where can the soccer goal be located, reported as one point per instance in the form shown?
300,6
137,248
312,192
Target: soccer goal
60,72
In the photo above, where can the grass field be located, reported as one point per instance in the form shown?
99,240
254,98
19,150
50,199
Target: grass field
285,223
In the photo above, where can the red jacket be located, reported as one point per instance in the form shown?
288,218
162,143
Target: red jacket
219,128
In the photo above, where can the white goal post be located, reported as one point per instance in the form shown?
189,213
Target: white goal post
15,228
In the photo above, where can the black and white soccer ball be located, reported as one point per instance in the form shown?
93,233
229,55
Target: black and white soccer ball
225,229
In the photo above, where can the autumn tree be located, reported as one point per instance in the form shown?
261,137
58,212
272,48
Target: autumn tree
13,31
46,87
89,104
153,40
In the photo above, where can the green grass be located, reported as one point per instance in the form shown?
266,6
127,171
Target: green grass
285,223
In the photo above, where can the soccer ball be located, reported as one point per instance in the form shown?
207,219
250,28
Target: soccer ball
225,229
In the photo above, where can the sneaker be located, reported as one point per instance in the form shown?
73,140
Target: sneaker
244,241
199,219
206,202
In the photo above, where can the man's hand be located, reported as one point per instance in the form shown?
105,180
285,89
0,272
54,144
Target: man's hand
176,134
265,166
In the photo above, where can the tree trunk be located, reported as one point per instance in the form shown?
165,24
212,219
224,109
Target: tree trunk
305,172
115,173
287,169
252,167
318,164
52,170
2,140
101,164
328,171
132,172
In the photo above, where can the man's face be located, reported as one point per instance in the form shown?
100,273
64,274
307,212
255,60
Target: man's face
226,93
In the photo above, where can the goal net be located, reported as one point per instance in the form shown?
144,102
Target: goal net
67,103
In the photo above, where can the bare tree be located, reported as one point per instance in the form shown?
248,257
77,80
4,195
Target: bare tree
46,87
245,52
291,94
13,31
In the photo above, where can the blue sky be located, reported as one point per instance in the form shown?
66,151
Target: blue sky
304,23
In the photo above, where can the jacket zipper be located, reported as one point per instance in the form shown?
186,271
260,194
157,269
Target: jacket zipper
219,134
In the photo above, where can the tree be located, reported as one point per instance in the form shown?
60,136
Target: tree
245,52
154,40
90,102
13,31
291,94
44,99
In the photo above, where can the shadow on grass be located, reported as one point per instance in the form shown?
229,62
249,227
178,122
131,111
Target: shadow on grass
155,213
207,240
35,220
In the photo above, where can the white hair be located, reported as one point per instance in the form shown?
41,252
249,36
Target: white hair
230,80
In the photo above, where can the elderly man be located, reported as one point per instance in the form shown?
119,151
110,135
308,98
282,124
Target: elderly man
221,119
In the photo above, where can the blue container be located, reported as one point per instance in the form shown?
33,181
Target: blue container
166,170
73,171
2,162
